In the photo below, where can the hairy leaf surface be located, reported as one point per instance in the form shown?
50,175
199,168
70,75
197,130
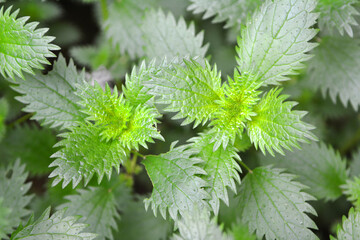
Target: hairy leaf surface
352,190
13,191
116,118
164,37
97,208
123,26
275,40
134,90
197,225
83,153
136,221
177,188
233,12
235,109
4,215
335,69
190,90
221,168
52,228
274,205
337,14
276,125
319,167
22,46
52,97
350,227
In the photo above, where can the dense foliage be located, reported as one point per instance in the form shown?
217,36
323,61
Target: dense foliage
132,124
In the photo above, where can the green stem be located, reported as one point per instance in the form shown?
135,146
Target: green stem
104,9
21,119
245,166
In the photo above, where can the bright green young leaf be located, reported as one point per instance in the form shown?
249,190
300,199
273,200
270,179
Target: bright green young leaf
52,228
22,46
276,39
335,68
234,12
221,168
83,153
337,14
197,225
97,208
350,229
137,223
241,232
235,109
123,25
274,205
177,186
52,97
190,90
352,190
276,125
36,146
164,37
12,190
4,109
134,90
117,119
319,167
4,215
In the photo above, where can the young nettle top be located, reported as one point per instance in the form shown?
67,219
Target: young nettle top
101,127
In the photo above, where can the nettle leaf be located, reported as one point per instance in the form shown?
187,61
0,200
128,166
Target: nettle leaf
36,146
97,208
197,225
319,167
335,69
164,37
118,119
275,40
233,12
235,109
274,205
352,190
241,232
177,188
134,90
190,90
52,228
276,125
52,97
123,25
83,154
4,109
350,227
13,191
354,167
22,46
221,168
337,14
4,215
136,221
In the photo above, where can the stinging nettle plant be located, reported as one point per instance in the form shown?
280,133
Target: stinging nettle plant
181,121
